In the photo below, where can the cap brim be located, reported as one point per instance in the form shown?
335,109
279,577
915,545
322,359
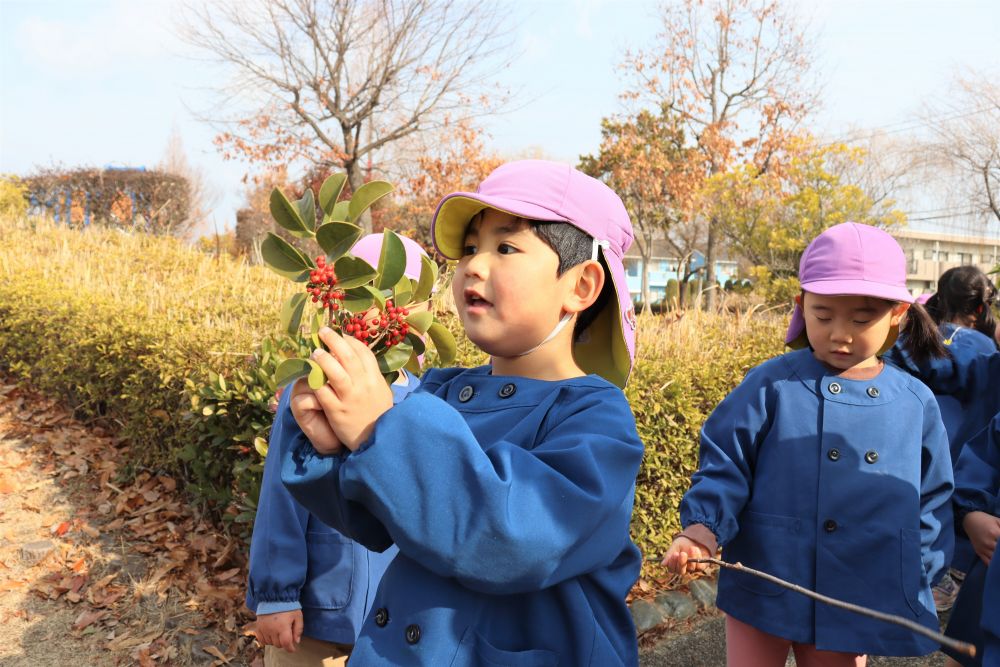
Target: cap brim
456,210
612,330
859,288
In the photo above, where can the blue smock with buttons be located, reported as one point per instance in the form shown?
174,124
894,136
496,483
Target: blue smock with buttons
838,485
510,501
298,562
977,489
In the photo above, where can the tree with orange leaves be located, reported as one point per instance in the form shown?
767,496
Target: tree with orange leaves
733,72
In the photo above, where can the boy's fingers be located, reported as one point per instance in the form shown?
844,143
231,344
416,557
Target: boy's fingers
364,355
336,375
306,401
342,350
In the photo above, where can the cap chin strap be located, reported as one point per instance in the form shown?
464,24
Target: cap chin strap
564,320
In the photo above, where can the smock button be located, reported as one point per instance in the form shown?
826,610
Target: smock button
465,394
829,525
871,456
833,454
834,388
873,392
507,390
412,634
381,617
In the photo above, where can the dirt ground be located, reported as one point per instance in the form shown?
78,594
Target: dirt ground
94,572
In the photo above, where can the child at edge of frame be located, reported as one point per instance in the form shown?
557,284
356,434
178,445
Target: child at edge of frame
507,488
310,586
830,469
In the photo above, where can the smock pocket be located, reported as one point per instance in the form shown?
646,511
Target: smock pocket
766,542
911,568
330,575
478,651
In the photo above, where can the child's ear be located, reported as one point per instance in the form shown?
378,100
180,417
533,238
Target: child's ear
897,313
588,281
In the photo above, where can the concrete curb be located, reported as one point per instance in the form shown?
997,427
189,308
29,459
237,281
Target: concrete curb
674,605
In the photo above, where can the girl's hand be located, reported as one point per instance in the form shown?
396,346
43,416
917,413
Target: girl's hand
983,530
283,629
355,394
681,551
312,420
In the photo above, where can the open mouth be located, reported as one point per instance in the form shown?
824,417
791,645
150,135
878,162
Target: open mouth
474,299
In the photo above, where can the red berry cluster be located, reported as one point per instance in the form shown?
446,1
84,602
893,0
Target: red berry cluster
322,285
390,326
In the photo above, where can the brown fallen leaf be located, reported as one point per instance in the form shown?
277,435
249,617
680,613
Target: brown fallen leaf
88,617
212,650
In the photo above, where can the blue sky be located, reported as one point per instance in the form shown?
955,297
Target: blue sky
99,82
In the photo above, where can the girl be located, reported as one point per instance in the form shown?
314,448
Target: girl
829,469
310,586
976,617
962,309
508,488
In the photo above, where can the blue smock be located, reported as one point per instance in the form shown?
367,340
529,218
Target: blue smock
838,485
298,562
510,500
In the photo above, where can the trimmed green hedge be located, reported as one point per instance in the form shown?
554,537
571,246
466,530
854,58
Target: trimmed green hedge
175,348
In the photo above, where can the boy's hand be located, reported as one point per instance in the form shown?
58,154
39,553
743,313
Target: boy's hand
283,629
312,420
681,550
355,394
983,530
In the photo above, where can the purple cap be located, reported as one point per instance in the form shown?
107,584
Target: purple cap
851,259
924,298
369,248
555,192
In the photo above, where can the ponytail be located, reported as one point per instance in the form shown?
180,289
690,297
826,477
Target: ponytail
922,339
964,292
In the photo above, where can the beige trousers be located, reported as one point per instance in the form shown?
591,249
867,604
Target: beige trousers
311,653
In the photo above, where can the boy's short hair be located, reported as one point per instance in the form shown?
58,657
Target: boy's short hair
573,246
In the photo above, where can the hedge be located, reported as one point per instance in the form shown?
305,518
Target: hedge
175,349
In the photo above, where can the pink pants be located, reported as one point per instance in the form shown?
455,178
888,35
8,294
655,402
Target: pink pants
747,646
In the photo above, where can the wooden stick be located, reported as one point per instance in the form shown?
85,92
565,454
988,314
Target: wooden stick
962,647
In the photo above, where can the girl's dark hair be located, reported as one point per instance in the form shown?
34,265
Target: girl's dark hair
922,338
573,247
964,291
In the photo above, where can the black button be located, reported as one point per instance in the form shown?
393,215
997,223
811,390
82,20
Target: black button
465,394
873,392
871,456
412,634
507,390
381,617
829,525
834,388
833,454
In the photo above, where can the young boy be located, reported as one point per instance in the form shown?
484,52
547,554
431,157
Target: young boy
507,488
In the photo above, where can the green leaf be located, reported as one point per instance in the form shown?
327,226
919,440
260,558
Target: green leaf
353,272
341,212
336,238
314,326
284,259
391,261
413,364
420,321
260,444
378,295
317,378
417,342
330,191
428,276
287,214
444,342
357,299
307,210
366,195
291,369
394,358
402,292
291,313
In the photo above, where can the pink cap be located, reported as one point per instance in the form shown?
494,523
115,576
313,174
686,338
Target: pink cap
851,259
555,192
924,298
369,248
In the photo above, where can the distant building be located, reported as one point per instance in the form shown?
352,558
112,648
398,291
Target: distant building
929,254
663,267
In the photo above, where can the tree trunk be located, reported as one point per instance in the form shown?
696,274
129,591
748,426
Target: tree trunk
356,178
710,265
646,306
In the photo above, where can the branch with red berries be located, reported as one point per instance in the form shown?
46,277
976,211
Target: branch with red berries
346,293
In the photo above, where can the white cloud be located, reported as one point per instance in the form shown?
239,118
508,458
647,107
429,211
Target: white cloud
119,33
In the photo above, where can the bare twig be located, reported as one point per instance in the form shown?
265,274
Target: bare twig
967,649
